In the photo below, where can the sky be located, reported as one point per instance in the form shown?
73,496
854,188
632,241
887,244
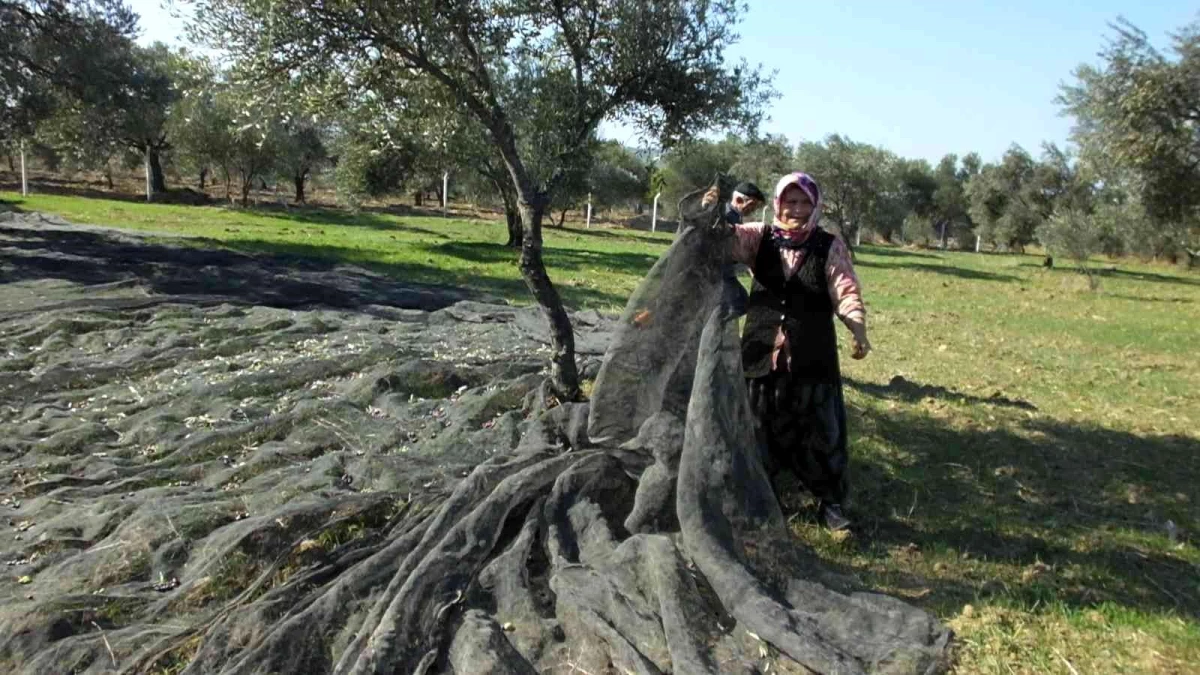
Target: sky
921,78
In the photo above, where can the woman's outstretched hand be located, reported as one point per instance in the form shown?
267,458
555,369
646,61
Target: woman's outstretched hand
709,197
860,345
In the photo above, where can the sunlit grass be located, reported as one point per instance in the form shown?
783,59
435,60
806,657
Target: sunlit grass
596,268
1025,451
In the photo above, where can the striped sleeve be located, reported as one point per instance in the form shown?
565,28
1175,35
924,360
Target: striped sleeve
844,289
746,238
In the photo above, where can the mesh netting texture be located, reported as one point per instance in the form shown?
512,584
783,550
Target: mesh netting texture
223,463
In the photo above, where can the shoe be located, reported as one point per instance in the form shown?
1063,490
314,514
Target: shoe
832,517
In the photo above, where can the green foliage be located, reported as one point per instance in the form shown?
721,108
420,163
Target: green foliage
618,177
539,78
1010,200
57,53
950,205
1136,117
1074,234
693,165
364,170
860,184
919,230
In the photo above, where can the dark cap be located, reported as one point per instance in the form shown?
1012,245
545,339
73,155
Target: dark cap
750,190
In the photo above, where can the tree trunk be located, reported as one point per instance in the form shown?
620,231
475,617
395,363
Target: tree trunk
108,177
203,176
562,218
247,183
512,217
419,198
299,180
12,166
564,375
158,182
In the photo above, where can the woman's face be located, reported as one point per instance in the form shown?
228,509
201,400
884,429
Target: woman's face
794,208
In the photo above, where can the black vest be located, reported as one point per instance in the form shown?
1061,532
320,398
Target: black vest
801,304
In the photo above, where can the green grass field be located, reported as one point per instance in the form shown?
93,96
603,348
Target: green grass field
1020,442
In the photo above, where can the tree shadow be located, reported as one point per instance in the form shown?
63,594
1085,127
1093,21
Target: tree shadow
1182,279
899,388
1151,276
263,274
1150,298
615,234
894,252
949,270
556,257
1071,513
318,216
94,189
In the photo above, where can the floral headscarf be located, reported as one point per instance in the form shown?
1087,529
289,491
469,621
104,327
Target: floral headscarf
804,182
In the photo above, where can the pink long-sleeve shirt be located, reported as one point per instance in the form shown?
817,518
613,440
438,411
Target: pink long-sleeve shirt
844,288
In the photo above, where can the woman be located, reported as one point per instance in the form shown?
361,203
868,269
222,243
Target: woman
802,278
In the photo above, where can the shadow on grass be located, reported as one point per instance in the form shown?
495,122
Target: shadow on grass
95,189
1068,512
556,257
473,282
1184,278
317,216
948,270
616,234
895,252
199,272
1180,280
1149,298
291,274
906,390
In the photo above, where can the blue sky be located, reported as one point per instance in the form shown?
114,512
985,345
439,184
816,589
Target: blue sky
921,78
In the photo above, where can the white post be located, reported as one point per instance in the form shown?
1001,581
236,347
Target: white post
588,224
977,243
858,237
654,214
149,194
24,178
445,194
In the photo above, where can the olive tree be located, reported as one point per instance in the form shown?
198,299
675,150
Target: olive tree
557,68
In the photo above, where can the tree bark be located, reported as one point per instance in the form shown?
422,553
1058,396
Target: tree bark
419,198
564,375
247,184
158,182
512,217
299,180
203,176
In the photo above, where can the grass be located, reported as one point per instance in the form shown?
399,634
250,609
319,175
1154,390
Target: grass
595,268
1020,442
